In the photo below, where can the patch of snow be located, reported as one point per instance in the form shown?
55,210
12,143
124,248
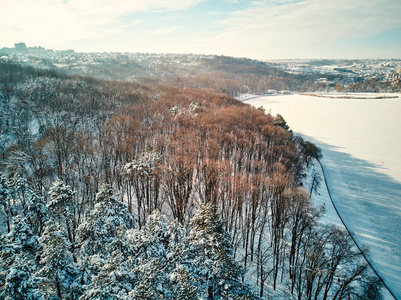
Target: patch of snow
360,141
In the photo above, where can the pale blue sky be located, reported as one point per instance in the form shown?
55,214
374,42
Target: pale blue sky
256,29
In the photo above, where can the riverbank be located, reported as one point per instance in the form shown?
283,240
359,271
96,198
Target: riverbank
360,142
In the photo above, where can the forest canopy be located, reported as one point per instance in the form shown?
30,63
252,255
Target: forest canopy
118,190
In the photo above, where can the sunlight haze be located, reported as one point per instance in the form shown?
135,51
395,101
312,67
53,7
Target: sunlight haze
254,29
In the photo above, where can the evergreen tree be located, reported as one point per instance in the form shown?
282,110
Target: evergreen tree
106,248
61,207
18,252
214,256
100,228
20,282
22,236
59,268
5,196
61,200
160,251
111,275
185,285
112,278
182,281
33,207
279,121
36,213
143,264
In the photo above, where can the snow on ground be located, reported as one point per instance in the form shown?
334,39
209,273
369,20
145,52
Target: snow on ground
361,142
337,95
322,198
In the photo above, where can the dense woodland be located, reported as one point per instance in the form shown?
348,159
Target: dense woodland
229,75
222,74
117,190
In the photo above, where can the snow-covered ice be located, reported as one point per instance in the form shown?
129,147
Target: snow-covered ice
361,143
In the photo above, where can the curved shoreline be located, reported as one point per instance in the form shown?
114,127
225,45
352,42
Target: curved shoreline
351,235
360,142
350,97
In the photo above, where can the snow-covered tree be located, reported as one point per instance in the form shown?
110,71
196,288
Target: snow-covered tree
214,256
139,264
5,196
59,268
143,178
100,228
185,285
145,164
111,278
61,207
36,212
20,282
22,235
106,247
18,251
164,268
33,206
61,199
150,263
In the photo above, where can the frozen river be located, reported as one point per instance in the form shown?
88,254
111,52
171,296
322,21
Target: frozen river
361,146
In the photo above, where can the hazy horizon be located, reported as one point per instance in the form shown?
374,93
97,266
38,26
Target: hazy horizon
277,29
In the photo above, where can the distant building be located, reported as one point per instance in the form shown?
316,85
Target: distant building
122,57
37,49
20,46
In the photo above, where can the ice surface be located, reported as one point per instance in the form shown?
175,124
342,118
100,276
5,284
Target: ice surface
361,145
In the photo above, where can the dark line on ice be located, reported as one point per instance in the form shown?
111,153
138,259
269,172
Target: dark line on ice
349,232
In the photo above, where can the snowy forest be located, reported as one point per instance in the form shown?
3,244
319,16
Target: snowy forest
121,190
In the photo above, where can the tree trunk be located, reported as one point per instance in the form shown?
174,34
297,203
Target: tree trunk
58,286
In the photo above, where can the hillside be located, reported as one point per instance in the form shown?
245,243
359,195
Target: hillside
222,74
122,190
